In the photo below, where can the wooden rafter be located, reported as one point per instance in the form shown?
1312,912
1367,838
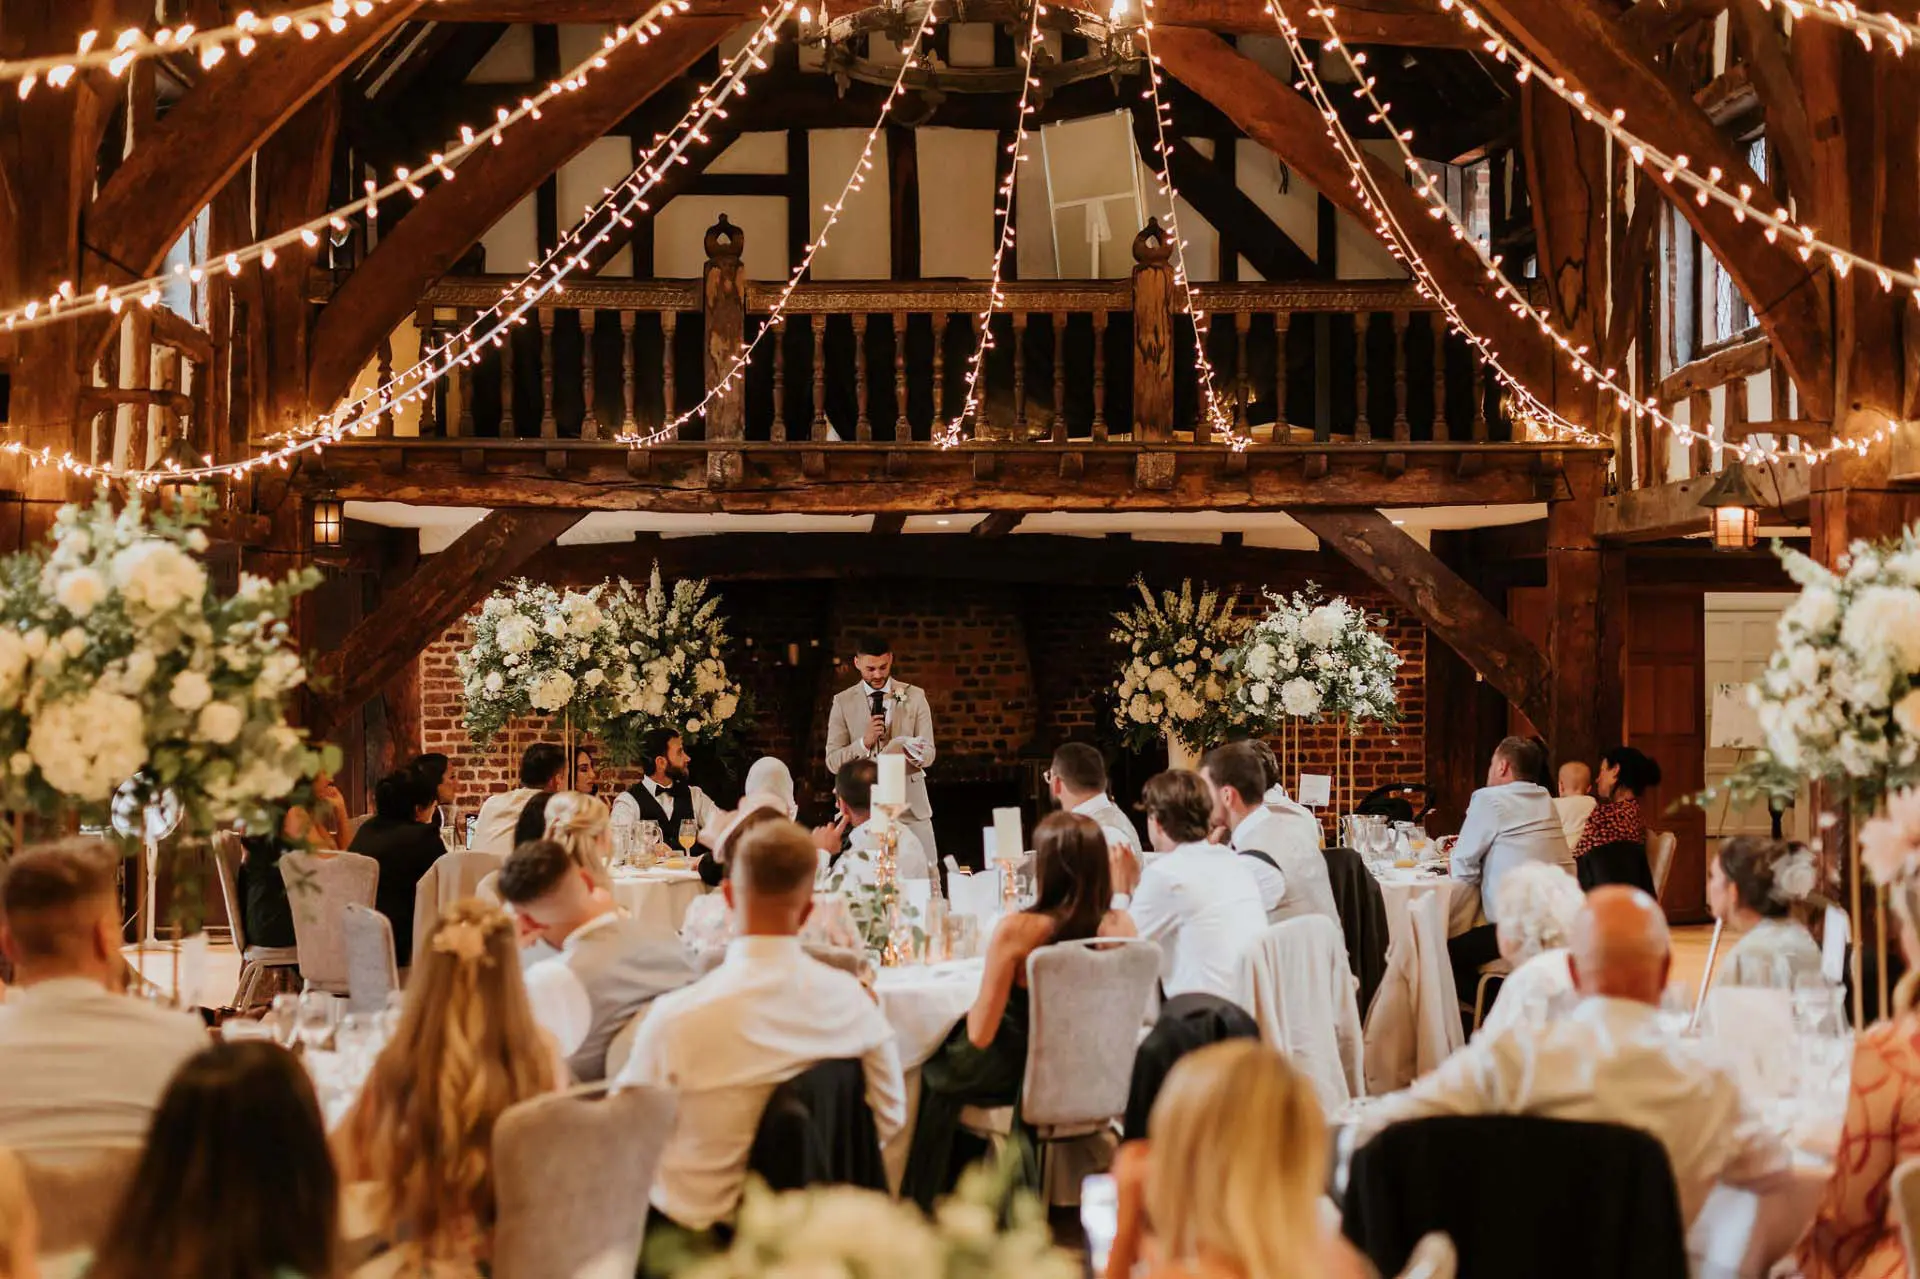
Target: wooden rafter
1227,209
453,216
435,597
1448,606
1673,510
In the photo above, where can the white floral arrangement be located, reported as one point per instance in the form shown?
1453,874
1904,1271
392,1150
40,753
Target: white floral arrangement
1839,702
541,651
1311,656
676,643
125,679
1172,680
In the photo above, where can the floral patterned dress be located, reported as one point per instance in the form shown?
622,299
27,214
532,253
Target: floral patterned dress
1617,821
1855,1235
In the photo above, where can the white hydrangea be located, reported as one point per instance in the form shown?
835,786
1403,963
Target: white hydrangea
87,746
1300,697
80,591
156,577
551,691
190,691
515,634
220,722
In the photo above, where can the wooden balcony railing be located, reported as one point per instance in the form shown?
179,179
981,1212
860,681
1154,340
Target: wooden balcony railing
1092,361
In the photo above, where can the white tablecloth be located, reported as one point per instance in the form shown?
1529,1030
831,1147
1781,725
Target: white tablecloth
657,898
1418,989
1401,887
923,1004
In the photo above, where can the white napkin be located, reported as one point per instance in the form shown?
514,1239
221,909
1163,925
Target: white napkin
977,895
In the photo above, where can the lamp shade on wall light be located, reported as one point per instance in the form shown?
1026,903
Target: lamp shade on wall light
1734,511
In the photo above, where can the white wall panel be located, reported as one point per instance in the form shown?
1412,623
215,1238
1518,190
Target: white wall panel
680,233
957,201
860,246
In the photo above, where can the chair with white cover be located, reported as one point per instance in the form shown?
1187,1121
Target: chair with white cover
1087,1004
372,974
254,960
571,1176
451,878
1297,983
1661,845
1906,1208
75,1200
320,887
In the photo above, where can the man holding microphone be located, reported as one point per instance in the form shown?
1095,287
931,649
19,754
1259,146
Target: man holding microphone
879,715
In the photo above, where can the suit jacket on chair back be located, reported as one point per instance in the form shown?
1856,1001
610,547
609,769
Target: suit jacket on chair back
908,716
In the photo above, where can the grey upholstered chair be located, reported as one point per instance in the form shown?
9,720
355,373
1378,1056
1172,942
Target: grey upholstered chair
75,1201
320,887
571,1176
254,960
451,878
372,974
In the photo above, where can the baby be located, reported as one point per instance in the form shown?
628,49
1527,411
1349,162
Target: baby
1574,803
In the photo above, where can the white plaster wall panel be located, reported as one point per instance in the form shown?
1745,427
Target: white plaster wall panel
860,245
680,233
957,201
582,183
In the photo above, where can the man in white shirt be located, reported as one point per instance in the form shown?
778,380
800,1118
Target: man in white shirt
666,796
1611,1060
82,1066
853,796
1575,802
1282,847
1509,821
1198,900
609,967
765,1015
882,714
543,767
1077,780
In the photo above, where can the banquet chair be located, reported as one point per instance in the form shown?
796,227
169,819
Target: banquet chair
817,1130
1622,862
1087,1001
451,878
1186,1024
321,886
1296,983
1363,920
1661,845
1596,1201
75,1201
1906,1206
571,1176
372,974
254,960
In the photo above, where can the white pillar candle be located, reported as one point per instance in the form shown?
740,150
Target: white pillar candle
891,787
1007,841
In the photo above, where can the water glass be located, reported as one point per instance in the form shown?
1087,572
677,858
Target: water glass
358,1041
963,936
649,842
283,1017
319,1012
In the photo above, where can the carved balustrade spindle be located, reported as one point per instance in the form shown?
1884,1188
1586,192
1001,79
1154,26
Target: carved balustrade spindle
1099,377
1282,320
779,430
1059,377
902,427
1478,377
429,416
940,321
669,325
1020,375
1242,329
549,428
862,422
1362,427
629,423
819,377
1441,430
1401,429
589,383
509,411
463,422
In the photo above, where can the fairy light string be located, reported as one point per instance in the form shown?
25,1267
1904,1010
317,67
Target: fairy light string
408,182
1869,26
1221,419
1426,186
856,180
954,433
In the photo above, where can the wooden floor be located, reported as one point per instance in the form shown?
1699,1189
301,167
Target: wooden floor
1690,946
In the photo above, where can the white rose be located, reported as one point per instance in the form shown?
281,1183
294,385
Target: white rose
693,726
35,643
220,722
556,626
157,577
515,634
79,591
190,691
494,682
595,677
724,706
140,668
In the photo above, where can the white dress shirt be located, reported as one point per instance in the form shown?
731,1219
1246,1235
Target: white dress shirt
1532,995
1202,904
560,1003
82,1068
493,829
1607,1061
1507,825
863,842
724,1043
1291,837
1113,822
1272,880
627,813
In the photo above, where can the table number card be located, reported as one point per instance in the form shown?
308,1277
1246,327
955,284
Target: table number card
1316,790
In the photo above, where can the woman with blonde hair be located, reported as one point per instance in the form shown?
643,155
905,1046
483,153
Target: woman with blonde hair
417,1143
583,826
1231,1175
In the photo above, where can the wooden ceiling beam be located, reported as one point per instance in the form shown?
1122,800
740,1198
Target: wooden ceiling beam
1227,208
439,229
1673,509
1585,42
1286,123
1769,68
998,524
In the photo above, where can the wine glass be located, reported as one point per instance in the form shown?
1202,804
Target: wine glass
689,835
283,1015
318,1013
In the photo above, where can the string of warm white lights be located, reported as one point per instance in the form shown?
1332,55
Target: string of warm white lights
955,430
355,417
66,303
1898,35
1427,184
856,179
1217,413
1776,222
210,45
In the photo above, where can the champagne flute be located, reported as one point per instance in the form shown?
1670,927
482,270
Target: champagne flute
689,835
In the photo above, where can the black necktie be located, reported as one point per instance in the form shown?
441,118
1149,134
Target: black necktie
879,699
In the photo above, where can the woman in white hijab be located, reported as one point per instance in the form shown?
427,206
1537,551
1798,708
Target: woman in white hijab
771,777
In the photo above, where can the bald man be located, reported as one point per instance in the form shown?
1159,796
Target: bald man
1610,1060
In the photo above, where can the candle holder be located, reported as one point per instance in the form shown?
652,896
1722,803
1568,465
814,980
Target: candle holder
1009,890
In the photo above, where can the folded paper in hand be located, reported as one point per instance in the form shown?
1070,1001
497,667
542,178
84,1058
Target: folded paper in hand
914,748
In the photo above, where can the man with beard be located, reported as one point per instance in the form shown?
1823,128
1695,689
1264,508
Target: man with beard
665,795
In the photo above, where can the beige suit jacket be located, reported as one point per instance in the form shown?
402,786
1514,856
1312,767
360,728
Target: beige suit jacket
910,717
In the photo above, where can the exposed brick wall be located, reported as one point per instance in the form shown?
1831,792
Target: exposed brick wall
1009,670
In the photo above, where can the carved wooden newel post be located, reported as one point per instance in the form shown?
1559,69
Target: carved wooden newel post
1153,353
721,297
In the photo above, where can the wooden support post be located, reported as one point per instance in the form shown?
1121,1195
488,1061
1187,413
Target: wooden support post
1152,335
1573,590
722,293
549,426
589,382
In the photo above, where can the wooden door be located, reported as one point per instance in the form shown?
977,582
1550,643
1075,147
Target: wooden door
1666,718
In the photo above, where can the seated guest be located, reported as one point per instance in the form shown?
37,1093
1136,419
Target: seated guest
710,924
772,777
1077,780
1538,906
543,767
1575,802
235,1180
415,1149
1754,886
1856,1232
1625,775
1510,821
586,774
532,823
330,820
582,826
608,968
763,1016
1282,849
1610,1060
264,906
984,1059
666,795
1231,1175
853,795
19,1224
433,771
81,1066
400,836
1198,900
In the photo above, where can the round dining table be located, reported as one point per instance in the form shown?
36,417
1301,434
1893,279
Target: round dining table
657,897
922,1002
